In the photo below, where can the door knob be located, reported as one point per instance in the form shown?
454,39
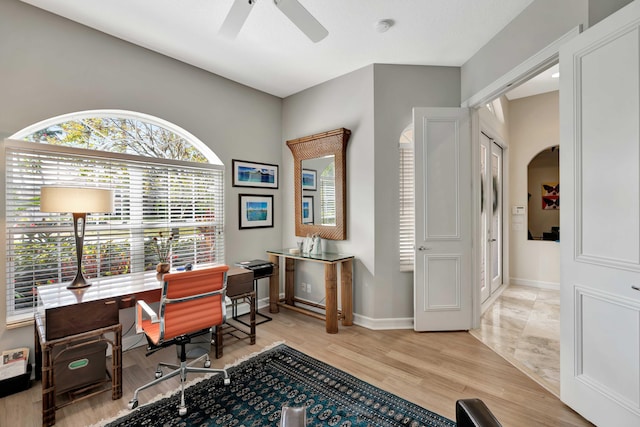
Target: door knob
635,288
423,248
492,240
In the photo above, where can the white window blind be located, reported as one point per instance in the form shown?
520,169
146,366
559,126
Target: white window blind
328,197
152,196
406,204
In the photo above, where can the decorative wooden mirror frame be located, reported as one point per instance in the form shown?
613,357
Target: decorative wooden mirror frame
319,145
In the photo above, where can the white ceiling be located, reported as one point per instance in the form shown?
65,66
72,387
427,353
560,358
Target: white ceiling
542,83
274,56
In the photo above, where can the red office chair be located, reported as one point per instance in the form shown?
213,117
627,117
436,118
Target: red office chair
192,303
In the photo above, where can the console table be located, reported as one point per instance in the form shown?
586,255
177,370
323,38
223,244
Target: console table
330,261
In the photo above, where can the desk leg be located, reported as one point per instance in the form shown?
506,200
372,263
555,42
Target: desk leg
289,290
346,292
116,358
252,317
274,284
37,352
331,294
48,388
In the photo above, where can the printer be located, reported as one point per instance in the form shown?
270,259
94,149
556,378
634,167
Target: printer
260,267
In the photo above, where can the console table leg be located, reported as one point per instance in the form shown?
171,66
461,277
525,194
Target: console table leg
289,291
274,284
331,294
346,292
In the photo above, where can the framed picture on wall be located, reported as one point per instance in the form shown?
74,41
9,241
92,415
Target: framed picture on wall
256,175
309,179
307,209
550,195
255,211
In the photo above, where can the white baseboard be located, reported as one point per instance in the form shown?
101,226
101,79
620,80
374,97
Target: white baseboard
382,324
535,283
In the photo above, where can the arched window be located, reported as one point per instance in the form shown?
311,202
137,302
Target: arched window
166,183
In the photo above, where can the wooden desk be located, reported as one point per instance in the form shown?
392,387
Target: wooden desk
64,317
330,261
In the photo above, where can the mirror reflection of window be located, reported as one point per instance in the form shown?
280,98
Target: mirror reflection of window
543,186
321,186
328,195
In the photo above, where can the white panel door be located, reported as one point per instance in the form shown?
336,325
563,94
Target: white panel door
495,228
600,220
490,233
485,215
442,276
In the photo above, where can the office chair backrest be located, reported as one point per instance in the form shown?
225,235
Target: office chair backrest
187,304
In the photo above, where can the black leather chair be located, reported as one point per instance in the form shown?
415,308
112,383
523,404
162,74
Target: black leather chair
474,413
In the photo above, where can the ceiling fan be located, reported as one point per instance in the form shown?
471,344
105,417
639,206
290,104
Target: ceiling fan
292,10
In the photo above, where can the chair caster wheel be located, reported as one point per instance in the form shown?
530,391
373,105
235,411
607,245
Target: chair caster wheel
227,381
207,363
133,404
158,373
182,411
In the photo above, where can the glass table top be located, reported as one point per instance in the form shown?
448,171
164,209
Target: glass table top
322,257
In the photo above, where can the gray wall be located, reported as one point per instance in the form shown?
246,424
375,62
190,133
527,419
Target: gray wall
51,66
539,25
346,101
375,103
397,89
536,27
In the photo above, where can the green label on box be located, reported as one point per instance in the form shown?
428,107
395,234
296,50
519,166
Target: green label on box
77,364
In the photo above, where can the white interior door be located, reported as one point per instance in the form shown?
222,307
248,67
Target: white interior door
495,227
485,203
600,220
490,233
442,276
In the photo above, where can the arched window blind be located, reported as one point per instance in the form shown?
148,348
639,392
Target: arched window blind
153,197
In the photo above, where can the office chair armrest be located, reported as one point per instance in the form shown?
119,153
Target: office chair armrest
141,307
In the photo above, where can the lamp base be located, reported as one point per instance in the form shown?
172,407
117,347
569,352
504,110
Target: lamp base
79,282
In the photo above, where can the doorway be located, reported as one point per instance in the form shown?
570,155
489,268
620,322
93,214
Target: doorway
521,321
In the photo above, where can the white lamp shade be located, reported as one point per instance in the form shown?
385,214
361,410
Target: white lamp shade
75,200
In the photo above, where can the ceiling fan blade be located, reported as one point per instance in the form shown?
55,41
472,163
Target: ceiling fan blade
235,18
302,19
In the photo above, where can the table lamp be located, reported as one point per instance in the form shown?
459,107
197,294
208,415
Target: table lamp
77,201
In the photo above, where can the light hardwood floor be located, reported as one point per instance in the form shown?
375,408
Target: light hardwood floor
432,370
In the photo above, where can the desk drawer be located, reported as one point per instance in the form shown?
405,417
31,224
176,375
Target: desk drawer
239,281
82,317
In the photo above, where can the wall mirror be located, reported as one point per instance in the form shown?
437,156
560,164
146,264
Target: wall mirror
320,170
543,182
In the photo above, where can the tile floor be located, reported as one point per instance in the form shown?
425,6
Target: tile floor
523,326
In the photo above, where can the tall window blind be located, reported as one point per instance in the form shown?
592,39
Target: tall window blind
152,196
328,196
406,202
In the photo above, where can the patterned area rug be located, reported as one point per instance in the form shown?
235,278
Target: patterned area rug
281,376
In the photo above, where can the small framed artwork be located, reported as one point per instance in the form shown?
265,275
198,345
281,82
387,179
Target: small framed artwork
309,179
550,195
307,209
255,211
256,175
